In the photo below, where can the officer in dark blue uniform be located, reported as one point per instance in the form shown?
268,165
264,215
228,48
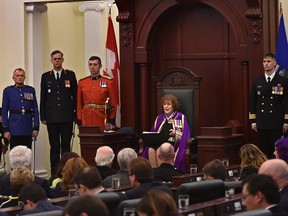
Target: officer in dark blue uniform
268,112
58,107
20,116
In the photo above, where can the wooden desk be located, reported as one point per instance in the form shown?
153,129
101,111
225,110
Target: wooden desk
11,211
123,188
218,142
91,139
233,172
61,201
178,180
217,207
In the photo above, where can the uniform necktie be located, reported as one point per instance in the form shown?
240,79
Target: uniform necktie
57,75
269,80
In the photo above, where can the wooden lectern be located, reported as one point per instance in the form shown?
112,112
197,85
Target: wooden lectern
218,142
91,138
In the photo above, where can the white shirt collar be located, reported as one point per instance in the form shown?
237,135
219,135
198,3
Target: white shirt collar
272,76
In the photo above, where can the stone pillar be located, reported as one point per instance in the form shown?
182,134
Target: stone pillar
34,71
94,30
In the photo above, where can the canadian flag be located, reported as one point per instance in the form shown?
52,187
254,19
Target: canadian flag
112,65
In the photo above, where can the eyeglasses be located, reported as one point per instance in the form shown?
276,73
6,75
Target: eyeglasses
245,196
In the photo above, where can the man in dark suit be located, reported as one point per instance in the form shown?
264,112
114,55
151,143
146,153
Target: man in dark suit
141,177
278,170
261,192
58,107
88,181
166,170
21,156
268,112
34,200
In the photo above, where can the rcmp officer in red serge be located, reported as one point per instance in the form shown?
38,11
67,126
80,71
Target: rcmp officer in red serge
58,107
20,116
268,112
93,92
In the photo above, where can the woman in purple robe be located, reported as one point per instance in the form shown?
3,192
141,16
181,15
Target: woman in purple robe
173,125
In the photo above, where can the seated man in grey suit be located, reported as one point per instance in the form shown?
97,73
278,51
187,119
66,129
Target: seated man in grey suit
166,170
124,157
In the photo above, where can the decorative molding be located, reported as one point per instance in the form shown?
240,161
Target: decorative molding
92,6
125,10
254,14
126,33
256,30
254,9
36,8
177,80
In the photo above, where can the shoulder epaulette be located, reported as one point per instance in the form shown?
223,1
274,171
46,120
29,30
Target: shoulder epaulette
9,86
107,77
84,78
67,70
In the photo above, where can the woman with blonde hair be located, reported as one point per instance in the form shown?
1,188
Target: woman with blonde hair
157,203
70,168
251,160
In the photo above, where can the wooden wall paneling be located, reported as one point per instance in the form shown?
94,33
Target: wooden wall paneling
167,33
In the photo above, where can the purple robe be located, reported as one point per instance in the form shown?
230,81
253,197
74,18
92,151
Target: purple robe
182,135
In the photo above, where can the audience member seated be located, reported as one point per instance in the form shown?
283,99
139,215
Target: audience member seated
261,192
85,206
214,170
69,170
165,155
124,157
64,158
157,202
104,159
88,181
21,156
141,176
278,170
281,149
34,200
251,159
19,177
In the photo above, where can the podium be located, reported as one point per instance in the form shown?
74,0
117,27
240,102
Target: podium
91,138
218,142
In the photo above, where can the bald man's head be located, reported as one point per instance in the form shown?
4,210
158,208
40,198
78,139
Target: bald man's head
104,156
166,152
277,169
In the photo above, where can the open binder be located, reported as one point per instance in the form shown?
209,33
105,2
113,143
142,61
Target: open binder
153,139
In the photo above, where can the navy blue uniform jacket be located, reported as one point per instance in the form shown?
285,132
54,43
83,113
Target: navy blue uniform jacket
58,98
20,114
269,103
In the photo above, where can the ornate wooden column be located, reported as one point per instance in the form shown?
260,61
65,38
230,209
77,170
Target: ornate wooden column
145,96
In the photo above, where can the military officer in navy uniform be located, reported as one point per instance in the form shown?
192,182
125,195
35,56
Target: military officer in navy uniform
268,112
20,116
58,107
